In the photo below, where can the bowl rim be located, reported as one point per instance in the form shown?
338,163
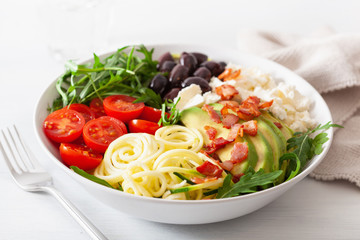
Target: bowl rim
277,67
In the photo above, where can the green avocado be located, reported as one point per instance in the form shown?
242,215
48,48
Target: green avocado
265,148
286,131
274,138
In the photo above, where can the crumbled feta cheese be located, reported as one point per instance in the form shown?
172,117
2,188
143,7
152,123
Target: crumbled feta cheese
288,105
189,97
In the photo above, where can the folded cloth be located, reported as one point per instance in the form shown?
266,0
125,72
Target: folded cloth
330,62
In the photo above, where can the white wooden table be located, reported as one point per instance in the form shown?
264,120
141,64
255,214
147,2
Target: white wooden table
311,210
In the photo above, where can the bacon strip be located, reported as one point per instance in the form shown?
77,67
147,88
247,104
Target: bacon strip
250,127
216,144
236,130
266,104
225,74
211,132
279,125
233,105
233,75
249,108
226,92
209,169
229,120
239,152
227,165
212,113
237,177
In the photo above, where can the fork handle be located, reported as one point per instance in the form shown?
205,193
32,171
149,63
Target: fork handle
76,214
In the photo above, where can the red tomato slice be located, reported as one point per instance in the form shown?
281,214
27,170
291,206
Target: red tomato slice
117,121
122,107
151,114
87,113
96,105
80,156
143,126
99,133
64,125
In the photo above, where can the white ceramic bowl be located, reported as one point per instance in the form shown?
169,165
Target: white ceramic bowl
193,212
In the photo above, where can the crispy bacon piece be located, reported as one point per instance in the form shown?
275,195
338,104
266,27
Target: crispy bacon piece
226,92
211,132
253,99
229,120
233,75
239,152
249,108
209,169
250,127
279,125
227,165
225,74
212,113
216,144
237,177
266,104
198,180
233,105
236,130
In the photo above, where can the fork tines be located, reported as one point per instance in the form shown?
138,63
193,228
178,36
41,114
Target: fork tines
16,154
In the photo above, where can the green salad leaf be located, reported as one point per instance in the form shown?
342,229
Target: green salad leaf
302,147
91,177
175,114
248,183
120,73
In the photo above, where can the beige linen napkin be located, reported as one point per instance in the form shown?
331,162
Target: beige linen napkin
331,63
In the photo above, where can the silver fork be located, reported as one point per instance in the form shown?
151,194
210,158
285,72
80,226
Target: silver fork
30,176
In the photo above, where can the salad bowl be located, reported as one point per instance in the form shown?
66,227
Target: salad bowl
194,211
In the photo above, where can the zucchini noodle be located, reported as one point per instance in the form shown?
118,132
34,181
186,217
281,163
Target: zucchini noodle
179,137
148,165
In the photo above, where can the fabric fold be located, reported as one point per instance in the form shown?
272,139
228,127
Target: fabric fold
330,62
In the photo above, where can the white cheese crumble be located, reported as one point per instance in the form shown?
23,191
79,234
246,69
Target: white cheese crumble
288,105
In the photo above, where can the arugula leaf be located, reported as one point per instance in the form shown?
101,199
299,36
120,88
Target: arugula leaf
247,183
119,73
175,113
91,177
305,147
290,164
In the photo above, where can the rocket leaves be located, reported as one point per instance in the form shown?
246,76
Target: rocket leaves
302,147
120,73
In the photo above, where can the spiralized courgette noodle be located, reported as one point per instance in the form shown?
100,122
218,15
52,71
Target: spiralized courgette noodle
144,164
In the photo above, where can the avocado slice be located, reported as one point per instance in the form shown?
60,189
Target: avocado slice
286,131
275,138
260,151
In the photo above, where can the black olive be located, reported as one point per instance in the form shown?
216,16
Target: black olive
223,64
177,75
200,57
214,67
164,57
189,61
159,83
167,66
204,85
203,72
171,94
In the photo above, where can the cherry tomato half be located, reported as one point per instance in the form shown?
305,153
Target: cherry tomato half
117,121
64,125
96,105
151,114
143,126
122,107
80,156
87,113
99,133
